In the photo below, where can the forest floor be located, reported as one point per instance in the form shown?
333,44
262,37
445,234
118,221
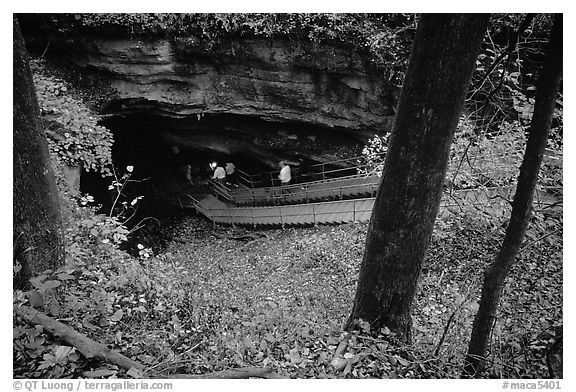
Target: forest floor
280,298
222,298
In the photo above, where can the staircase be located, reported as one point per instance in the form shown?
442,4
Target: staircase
330,200
331,212
354,186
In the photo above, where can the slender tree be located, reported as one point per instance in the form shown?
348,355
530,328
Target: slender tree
496,273
37,230
437,78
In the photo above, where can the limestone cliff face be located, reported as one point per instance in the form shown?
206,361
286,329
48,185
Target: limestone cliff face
280,81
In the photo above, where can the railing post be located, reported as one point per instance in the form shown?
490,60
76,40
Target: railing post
314,214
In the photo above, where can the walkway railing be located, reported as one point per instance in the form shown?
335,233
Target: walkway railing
342,211
336,188
320,171
355,210
285,211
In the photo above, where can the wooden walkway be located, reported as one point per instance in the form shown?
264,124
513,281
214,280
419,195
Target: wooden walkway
355,186
326,201
334,212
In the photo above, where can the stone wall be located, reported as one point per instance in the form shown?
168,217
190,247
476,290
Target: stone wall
280,81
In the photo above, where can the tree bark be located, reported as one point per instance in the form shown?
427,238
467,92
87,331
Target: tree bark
438,75
496,273
37,232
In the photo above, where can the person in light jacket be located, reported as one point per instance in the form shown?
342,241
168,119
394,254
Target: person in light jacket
285,175
219,173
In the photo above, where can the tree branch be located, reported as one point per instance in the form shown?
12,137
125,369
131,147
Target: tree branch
512,44
87,347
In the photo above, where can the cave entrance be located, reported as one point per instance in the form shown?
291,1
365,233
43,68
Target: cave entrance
158,146
159,150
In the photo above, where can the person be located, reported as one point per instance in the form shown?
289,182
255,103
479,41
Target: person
231,174
219,173
285,175
181,164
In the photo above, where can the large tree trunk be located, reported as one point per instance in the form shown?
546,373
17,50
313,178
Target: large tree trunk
495,275
37,231
438,75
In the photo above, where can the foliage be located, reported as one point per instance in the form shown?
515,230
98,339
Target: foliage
480,160
475,161
209,303
503,84
113,227
373,155
74,135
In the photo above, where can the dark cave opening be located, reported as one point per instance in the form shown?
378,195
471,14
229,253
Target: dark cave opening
157,147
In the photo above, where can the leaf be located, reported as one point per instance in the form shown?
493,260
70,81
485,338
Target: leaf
135,373
402,361
35,299
117,316
338,363
263,345
65,276
295,356
62,353
49,284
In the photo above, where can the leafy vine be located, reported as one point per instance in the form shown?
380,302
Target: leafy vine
73,132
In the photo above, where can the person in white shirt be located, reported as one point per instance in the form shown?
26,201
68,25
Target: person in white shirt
285,175
219,172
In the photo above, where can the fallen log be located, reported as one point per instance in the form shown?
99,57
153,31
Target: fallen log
87,347
91,349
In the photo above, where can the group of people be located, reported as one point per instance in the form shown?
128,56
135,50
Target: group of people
227,175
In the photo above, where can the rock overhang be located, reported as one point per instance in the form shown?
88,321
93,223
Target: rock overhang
277,80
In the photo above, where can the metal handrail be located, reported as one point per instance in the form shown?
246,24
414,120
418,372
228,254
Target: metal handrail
285,213
229,212
245,178
271,175
295,191
300,178
306,194
308,183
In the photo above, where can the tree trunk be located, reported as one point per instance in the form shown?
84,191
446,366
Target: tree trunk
438,75
495,275
37,231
